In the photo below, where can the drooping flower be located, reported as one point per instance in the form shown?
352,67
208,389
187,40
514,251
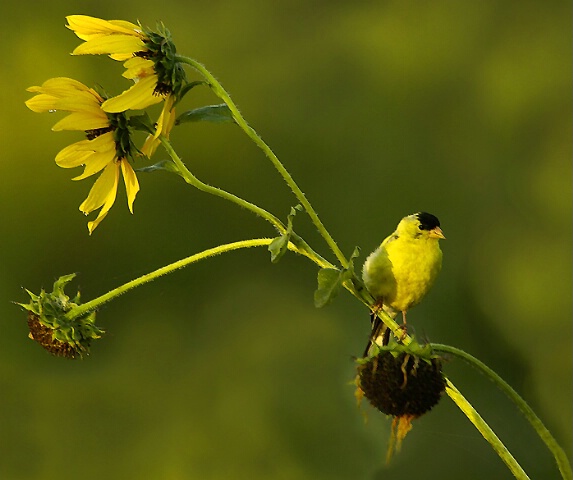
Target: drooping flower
108,146
50,326
150,59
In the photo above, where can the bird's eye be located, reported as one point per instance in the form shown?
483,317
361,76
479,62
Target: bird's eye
421,227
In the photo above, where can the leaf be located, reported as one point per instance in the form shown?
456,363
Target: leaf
329,283
278,247
165,165
142,123
188,87
210,113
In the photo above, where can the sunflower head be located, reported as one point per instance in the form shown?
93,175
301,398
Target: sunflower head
50,327
401,381
402,384
162,51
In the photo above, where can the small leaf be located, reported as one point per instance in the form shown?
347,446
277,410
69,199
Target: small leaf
329,283
188,87
278,247
210,113
165,165
142,123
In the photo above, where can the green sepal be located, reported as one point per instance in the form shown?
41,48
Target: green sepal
422,351
210,113
331,280
142,123
279,246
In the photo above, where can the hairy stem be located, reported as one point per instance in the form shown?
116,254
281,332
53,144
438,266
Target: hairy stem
116,292
532,418
254,136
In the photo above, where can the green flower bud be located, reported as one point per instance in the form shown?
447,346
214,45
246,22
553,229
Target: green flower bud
52,329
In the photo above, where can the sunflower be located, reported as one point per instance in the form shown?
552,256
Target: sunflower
149,58
107,148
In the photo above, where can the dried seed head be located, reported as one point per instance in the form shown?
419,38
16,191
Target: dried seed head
44,335
402,385
52,326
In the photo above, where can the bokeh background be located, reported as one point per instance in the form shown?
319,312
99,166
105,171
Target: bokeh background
225,370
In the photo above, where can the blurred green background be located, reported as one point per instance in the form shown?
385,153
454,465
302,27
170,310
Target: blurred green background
225,370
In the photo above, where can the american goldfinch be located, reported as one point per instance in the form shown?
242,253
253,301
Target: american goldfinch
401,271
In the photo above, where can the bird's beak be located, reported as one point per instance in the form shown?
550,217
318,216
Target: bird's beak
437,233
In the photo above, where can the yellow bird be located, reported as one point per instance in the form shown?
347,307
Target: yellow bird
401,271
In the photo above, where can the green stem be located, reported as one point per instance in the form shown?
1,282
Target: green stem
558,453
302,247
97,302
193,180
486,431
253,135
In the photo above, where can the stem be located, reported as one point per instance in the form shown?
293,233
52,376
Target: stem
116,292
302,247
486,431
193,180
532,418
254,136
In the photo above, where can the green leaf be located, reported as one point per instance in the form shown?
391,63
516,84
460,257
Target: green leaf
165,165
142,123
188,87
329,283
210,113
278,247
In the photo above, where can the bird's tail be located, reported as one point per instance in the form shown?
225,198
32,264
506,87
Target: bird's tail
380,333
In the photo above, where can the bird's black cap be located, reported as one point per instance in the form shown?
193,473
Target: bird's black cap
427,221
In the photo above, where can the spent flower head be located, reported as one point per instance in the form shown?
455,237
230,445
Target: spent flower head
108,146
401,381
50,327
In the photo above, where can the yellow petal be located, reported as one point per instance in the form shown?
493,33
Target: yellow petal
96,162
150,146
63,87
71,156
60,86
102,194
137,67
76,154
81,121
112,44
166,118
86,25
131,183
138,97
42,103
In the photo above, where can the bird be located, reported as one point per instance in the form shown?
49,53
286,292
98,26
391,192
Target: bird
401,271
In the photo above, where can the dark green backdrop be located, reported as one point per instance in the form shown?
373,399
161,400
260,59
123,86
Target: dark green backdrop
225,370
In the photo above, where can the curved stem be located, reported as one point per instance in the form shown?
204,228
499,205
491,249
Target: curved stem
193,180
97,302
253,135
486,431
532,418
302,247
